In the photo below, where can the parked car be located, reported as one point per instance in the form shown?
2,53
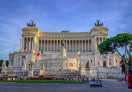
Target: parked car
95,83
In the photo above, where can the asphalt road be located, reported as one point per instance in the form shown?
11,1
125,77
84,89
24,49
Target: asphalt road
109,86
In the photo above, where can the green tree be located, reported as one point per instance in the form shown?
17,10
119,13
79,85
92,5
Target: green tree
122,40
111,44
1,61
7,63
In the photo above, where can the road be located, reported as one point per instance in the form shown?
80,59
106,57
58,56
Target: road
109,86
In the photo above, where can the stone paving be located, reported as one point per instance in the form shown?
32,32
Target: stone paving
109,86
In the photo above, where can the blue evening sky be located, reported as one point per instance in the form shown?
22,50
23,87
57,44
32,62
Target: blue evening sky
58,15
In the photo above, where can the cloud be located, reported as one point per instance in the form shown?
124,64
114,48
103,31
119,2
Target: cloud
58,15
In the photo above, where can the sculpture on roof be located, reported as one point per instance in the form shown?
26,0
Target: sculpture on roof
31,24
98,23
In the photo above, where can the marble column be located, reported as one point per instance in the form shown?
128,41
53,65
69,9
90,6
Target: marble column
59,42
25,44
74,47
32,43
28,44
43,45
67,45
57,45
90,45
53,45
80,45
85,45
47,45
71,45
39,44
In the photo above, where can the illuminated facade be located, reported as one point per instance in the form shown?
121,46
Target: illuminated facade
52,53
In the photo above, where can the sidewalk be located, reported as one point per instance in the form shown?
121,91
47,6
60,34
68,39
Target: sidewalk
114,83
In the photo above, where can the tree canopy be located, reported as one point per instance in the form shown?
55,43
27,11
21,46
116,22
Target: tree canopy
110,44
1,61
122,40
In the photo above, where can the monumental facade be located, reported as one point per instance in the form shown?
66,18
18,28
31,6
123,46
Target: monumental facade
55,53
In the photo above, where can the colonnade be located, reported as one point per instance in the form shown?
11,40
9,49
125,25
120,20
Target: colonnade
27,43
70,45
